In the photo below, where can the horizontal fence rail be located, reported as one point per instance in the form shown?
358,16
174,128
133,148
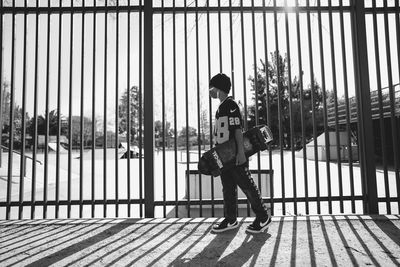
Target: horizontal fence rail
112,97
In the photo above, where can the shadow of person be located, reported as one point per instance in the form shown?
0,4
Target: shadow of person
250,248
211,254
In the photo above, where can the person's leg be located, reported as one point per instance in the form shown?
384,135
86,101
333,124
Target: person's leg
229,190
243,178
246,183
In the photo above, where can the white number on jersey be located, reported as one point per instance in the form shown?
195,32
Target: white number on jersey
222,130
234,121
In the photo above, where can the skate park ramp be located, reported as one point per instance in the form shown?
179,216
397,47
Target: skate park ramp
53,147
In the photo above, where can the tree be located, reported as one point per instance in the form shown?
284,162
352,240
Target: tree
274,102
191,130
158,129
183,138
53,124
5,114
134,107
204,128
5,107
76,131
159,133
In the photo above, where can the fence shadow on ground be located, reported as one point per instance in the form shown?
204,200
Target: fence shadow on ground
211,255
83,244
310,241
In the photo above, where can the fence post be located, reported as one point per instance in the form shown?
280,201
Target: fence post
148,111
365,126
1,87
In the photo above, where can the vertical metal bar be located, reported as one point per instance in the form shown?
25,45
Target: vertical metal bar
199,135
325,115
35,122
58,115
94,121
81,146
302,108
175,102
219,36
148,105
11,123
116,111
256,89
210,102
310,57
105,115
348,111
397,147
163,110
255,65
381,118
268,109
24,169
46,138
279,84
23,158
392,100
231,41
70,114
244,65
366,138
1,83
338,147
141,109
291,110
128,108
187,113
244,78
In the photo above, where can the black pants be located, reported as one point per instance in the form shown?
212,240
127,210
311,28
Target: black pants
240,176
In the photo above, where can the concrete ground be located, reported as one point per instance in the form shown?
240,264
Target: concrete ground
289,241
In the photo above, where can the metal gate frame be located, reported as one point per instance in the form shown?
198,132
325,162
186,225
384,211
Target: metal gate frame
363,95
361,69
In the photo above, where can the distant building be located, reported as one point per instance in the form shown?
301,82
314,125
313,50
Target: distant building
381,110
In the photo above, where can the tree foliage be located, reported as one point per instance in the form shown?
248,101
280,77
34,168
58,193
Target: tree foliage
5,114
285,105
131,97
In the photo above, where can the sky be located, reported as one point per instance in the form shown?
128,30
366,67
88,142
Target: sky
184,90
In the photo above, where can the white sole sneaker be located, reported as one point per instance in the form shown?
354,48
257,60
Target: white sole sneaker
257,231
234,226
262,229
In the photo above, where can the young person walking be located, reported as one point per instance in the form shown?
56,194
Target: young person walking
229,125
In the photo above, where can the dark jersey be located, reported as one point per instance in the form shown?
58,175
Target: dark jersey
227,120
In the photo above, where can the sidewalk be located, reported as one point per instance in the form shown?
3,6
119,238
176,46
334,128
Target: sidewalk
290,241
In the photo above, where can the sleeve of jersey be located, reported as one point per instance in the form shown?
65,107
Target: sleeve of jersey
234,118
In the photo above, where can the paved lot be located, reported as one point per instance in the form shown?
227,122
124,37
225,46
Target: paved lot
290,241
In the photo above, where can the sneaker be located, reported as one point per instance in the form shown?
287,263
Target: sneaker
224,226
259,225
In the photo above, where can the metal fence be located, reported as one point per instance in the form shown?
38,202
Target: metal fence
110,109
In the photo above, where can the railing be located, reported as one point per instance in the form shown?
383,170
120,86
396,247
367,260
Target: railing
380,107
203,196
100,73
24,158
72,183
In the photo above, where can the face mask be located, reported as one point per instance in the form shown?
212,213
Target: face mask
214,93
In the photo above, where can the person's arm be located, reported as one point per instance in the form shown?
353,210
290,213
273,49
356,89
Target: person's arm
240,156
